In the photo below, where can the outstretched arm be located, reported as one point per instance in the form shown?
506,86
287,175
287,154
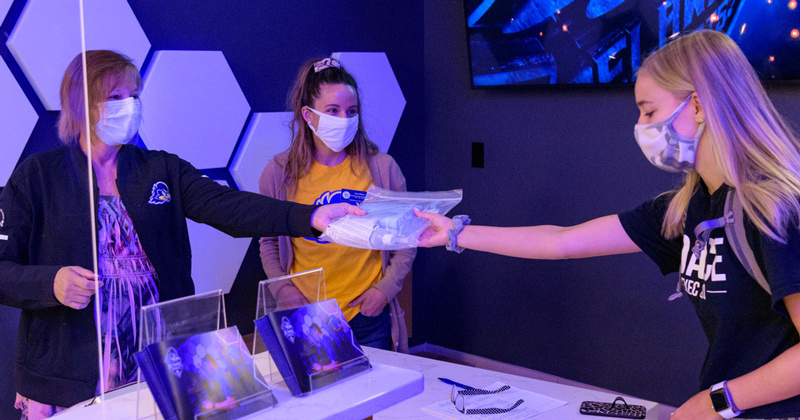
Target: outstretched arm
601,236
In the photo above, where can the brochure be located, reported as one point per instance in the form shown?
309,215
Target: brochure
208,376
312,346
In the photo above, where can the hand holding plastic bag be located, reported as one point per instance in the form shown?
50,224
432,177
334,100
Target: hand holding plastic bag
390,223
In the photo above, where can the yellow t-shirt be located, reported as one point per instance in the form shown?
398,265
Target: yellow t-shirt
348,271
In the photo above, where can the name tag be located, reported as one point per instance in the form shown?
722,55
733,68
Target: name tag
353,197
3,237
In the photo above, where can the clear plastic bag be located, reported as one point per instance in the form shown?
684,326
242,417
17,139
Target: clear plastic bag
390,222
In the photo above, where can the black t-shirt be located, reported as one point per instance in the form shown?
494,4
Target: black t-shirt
745,326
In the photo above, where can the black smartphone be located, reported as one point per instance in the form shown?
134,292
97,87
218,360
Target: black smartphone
613,409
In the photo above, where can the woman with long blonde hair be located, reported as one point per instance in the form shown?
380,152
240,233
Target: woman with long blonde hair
331,160
703,112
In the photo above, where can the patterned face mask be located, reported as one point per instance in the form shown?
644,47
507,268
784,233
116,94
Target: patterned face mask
666,148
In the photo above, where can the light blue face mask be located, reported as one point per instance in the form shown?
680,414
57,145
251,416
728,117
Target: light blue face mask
120,121
666,148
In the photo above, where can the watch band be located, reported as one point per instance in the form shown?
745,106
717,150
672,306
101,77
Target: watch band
722,401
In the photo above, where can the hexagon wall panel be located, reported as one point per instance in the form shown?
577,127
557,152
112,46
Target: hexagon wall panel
47,37
267,135
17,119
4,6
216,257
382,101
193,106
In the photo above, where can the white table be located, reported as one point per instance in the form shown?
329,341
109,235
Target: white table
436,390
393,389
354,398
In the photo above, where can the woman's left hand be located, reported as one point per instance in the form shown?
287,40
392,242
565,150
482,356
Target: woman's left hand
325,214
697,408
372,302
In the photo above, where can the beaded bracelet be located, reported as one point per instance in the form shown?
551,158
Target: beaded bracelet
458,225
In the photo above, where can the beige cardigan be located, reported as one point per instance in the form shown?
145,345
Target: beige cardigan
277,257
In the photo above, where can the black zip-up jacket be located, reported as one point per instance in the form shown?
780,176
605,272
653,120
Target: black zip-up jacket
45,225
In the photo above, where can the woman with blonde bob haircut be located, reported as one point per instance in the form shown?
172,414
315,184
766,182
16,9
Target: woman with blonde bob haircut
107,69
703,112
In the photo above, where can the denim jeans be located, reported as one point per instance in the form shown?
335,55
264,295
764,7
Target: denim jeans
373,331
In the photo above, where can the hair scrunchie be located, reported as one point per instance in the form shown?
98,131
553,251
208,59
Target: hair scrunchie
458,225
326,63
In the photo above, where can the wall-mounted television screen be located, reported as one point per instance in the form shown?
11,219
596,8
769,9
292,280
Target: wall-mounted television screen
547,42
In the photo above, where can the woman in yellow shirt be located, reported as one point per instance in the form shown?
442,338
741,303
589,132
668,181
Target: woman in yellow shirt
332,160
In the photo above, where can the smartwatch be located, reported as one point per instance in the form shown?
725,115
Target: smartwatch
722,401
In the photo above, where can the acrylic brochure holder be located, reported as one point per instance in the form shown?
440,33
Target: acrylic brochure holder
172,319
328,376
309,342
311,284
183,318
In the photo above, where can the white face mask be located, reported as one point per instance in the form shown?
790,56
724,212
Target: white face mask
120,121
337,133
666,148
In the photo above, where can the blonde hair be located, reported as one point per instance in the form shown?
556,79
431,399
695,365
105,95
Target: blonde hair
103,70
305,91
755,150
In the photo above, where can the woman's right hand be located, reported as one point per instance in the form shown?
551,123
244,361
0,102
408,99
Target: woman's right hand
436,233
324,215
74,286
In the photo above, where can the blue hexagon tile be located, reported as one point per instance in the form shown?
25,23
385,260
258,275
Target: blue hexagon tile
216,257
47,37
382,101
193,106
267,135
17,119
4,6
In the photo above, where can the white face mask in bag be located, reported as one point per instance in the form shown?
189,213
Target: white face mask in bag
666,148
120,121
337,133
390,222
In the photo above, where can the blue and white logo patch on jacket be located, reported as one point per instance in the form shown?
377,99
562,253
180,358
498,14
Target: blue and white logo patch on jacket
159,194
2,222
